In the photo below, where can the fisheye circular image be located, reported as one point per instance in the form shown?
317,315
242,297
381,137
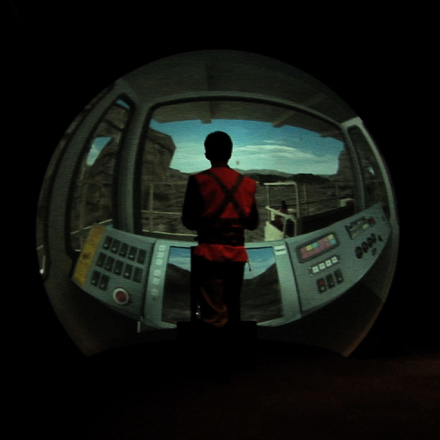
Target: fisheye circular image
217,190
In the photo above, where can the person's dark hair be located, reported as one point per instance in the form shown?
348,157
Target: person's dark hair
218,146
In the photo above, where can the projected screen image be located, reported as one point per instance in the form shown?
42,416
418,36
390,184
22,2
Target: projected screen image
261,294
271,144
177,286
260,297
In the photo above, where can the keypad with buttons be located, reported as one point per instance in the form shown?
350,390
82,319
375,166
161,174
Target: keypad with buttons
114,268
328,278
117,258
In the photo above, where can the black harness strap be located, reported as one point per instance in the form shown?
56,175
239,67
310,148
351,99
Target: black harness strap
229,196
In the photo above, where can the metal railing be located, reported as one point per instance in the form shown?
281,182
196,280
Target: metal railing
151,212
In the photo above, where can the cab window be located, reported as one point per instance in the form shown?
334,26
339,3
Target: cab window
94,189
304,172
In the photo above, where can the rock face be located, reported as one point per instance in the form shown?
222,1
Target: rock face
158,153
372,180
344,175
95,193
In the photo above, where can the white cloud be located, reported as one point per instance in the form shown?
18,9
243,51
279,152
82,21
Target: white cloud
283,158
271,151
189,157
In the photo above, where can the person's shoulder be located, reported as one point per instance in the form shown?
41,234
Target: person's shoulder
199,176
248,179
197,173
201,173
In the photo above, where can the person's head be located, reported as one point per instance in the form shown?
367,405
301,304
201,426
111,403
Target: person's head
218,147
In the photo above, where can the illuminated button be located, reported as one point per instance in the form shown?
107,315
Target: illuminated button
107,242
321,266
101,260
334,259
330,280
132,253
118,267
154,294
121,296
339,277
109,264
321,285
315,269
128,270
95,278
123,250
328,263
115,246
103,284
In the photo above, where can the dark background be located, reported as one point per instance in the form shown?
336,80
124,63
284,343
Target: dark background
57,58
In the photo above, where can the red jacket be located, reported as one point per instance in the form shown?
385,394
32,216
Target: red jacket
220,204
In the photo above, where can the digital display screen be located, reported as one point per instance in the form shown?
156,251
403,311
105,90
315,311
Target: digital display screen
317,247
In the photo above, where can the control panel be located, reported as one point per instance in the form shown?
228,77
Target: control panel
328,263
113,267
128,272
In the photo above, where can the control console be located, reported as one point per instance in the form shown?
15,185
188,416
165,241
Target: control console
328,263
113,267
129,273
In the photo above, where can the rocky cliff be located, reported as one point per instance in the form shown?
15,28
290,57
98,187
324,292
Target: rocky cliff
96,192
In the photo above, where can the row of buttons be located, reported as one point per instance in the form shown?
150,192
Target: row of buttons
366,245
111,264
330,281
128,272
157,271
114,263
124,250
324,265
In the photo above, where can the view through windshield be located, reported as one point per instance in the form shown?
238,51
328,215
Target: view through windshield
299,171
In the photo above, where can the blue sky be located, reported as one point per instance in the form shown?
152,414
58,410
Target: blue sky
257,145
98,144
